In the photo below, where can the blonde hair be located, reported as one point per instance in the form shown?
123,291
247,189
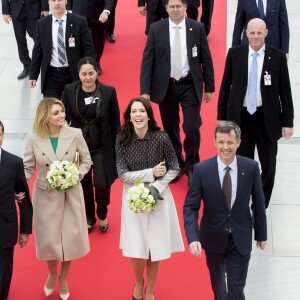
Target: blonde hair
43,111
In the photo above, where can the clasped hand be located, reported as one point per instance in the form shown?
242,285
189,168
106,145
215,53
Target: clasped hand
160,169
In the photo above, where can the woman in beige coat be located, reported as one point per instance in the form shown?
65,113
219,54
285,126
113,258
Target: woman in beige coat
59,216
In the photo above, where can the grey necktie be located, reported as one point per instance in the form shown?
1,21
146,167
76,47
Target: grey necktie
177,68
60,43
227,187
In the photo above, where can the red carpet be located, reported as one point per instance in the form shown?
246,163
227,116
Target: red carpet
104,273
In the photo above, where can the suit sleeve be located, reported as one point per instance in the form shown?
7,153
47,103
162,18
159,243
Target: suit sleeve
284,30
141,3
259,208
37,54
29,159
25,207
239,24
84,154
114,113
191,207
286,95
147,64
86,41
5,7
207,64
225,87
44,5
108,4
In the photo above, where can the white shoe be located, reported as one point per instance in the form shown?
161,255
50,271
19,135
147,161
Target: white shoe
64,296
48,291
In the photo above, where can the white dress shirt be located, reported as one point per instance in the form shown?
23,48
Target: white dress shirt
184,58
260,61
233,175
54,62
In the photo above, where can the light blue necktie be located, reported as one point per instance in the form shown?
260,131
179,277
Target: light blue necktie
260,6
61,43
252,86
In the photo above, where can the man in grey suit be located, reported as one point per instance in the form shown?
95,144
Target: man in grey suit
225,184
272,114
275,15
12,180
171,78
24,14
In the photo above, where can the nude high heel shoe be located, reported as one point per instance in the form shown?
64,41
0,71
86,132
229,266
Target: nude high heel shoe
64,296
48,291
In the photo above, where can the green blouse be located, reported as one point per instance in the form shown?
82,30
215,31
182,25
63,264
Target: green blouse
54,142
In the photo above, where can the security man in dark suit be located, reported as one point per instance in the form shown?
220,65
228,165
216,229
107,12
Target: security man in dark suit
262,104
62,39
171,78
225,184
273,12
12,180
24,14
97,13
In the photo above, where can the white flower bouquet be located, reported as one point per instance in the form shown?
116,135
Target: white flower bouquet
139,198
62,175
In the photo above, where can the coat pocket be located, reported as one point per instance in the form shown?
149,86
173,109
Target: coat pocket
41,184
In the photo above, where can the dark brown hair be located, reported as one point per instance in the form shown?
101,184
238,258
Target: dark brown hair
126,130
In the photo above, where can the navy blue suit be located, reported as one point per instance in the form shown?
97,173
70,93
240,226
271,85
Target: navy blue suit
225,235
12,180
276,20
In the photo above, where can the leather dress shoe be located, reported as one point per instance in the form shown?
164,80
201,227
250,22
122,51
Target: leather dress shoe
90,228
23,74
180,173
111,38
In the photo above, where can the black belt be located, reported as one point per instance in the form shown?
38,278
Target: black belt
60,69
187,79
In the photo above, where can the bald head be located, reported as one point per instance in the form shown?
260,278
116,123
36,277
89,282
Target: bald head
256,33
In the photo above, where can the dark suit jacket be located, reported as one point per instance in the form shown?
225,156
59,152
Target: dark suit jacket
156,63
77,28
277,100
217,219
107,113
12,179
90,9
34,7
276,19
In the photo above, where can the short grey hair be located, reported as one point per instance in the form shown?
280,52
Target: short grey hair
227,127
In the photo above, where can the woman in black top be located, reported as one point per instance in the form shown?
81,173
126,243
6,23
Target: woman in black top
93,107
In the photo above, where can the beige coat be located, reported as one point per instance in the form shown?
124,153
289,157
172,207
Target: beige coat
59,217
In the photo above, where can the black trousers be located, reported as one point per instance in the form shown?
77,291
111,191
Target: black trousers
96,178
21,25
153,16
182,94
6,267
206,16
228,272
254,134
98,30
55,81
111,20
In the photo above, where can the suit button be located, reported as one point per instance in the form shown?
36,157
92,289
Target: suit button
229,215
47,165
226,229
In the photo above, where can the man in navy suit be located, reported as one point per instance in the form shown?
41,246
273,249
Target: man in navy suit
274,13
159,83
57,71
12,180
273,115
226,226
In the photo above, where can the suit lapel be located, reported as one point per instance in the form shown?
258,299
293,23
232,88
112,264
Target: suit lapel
269,7
64,142
69,30
241,176
46,148
166,37
3,166
244,61
189,38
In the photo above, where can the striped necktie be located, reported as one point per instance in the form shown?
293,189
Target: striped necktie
61,44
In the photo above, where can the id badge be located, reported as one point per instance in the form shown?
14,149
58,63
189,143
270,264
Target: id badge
267,79
71,42
194,51
88,100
